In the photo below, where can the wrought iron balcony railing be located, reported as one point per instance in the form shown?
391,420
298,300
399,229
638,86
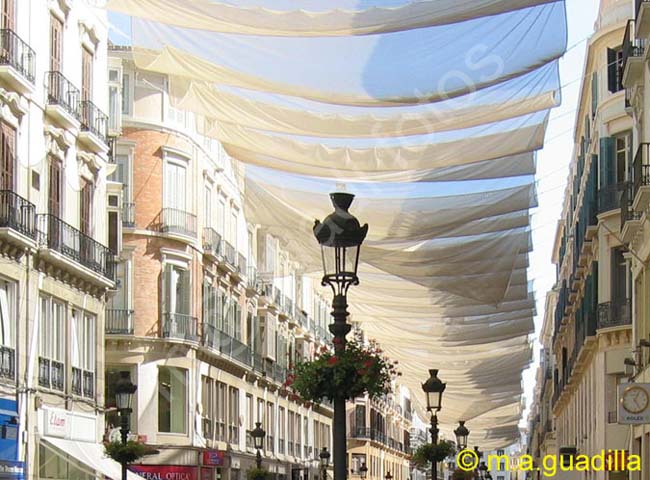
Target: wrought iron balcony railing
242,265
93,120
229,254
632,46
614,314
180,326
226,344
128,214
51,374
57,235
16,53
641,168
17,213
173,220
212,241
61,92
7,363
119,321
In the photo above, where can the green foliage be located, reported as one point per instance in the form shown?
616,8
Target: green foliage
360,369
258,474
129,452
463,475
433,453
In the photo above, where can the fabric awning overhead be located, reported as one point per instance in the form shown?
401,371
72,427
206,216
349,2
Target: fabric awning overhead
430,111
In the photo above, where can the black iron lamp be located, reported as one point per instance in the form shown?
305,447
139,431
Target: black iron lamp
258,435
340,237
324,457
124,391
363,471
433,389
461,435
388,476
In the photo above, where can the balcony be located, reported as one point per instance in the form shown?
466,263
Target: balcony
180,326
119,321
51,374
226,345
230,255
17,60
642,18
128,215
609,197
614,314
641,175
175,221
253,285
7,363
633,56
17,220
94,127
242,267
212,244
630,220
69,248
63,100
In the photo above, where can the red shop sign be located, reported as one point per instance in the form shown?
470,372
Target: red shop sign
213,458
166,472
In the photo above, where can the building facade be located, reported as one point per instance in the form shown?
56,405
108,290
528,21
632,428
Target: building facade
379,436
209,311
56,268
592,302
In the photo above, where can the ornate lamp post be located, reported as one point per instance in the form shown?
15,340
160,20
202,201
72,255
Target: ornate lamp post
461,435
258,435
363,471
340,237
433,389
324,461
124,390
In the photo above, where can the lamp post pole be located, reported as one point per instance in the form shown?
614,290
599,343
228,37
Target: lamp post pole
125,415
340,236
434,440
433,388
124,390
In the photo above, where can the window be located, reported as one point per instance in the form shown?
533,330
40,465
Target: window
305,435
222,403
221,216
282,418
56,44
8,320
52,344
291,432
270,254
270,426
55,187
175,186
233,416
84,353
623,156
614,69
7,157
207,406
112,375
172,400
86,208
207,206
358,459
122,174
126,94
86,78
8,15
177,290
233,228
250,420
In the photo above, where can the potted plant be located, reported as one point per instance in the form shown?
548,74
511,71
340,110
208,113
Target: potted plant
429,452
128,452
258,474
360,369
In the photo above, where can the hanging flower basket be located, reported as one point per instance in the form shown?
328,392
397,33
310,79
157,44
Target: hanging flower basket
258,474
429,452
128,452
360,369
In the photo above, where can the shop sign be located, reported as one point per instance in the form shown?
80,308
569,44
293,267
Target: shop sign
56,423
12,470
214,458
166,472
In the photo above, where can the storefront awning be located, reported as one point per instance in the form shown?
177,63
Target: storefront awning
90,454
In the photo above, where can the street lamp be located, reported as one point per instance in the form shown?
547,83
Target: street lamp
461,435
258,435
124,390
324,461
388,476
482,470
340,236
433,389
363,471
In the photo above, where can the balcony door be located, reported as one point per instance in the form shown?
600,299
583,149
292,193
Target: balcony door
175,187
7,157
8,15
56,44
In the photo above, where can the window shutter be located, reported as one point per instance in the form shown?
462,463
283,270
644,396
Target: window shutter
607,168
594,94
612,74
166,288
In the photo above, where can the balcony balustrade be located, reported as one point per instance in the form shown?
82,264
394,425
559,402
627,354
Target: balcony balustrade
242,265
226,344
17,214
230,254
55,234
51,374
15,53
119,321
61,92
633,52
614,314
180,326
128,214
212,242
7,363
93,120
173,220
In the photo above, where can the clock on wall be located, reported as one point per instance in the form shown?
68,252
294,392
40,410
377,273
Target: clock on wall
635,399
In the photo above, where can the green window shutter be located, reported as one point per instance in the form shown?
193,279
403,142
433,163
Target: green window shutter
594,94
607,160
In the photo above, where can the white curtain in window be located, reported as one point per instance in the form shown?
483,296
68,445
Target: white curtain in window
7,315
78,342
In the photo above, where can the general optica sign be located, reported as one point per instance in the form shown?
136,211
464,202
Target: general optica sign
166,472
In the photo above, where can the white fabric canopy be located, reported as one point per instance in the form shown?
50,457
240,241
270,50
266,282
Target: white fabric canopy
281,18
431,113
